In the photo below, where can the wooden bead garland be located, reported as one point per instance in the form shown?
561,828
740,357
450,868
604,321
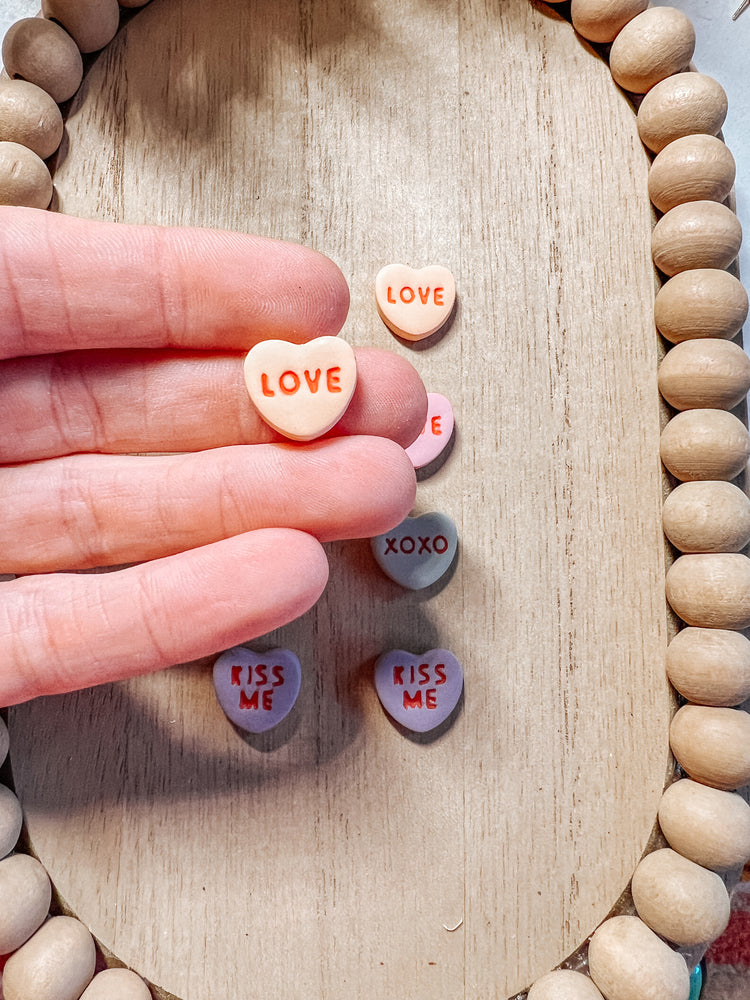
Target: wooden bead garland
43,53
705,374
30,117
90,23
602,20
651,48
693,168
695,235
705,444
712,745
627,961
700,303
711,590
116,984
680,900
683,104
23,880
710,666
24,178
707,825
564,984
654,45
707,516
56,963
11,820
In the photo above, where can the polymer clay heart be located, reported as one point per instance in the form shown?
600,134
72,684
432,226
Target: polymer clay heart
418,551
436,432
301,390
257,690
419,692
415,303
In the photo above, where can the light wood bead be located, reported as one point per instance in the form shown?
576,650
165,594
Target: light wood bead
602,20
564,984
698,234
707,825
26,892
679,900
707,516
705,444
710,666
712,745
627,961
116,984
704,302
90,23
29,116
11,820
705,374
712,590
57,963
43,53
683,104
693,168
654,45
24,178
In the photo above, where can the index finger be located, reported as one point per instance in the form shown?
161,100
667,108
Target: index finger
70,284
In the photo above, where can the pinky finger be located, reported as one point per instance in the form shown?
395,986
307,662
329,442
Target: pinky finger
61,632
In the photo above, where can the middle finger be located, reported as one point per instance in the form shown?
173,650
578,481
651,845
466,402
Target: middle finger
138,401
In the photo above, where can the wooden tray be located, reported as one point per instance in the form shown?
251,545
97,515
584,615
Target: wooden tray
329,860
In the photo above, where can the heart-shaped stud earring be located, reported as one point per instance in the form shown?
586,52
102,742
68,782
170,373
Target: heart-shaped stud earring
436,432
301,390
415,303
417,552
257,690
419,692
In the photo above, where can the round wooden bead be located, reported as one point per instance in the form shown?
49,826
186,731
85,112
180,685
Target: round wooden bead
683,104
710,666
90,23
694,235
707,825
712,745
43,53
681,901
693,168
654,45
11,820
564,984
712,590
57,963
26,891
602,20
704,302
705,374
705,444
24,178
29,116
627,961
707,516
116,984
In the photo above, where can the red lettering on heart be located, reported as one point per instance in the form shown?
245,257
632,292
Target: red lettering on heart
257,691
419,692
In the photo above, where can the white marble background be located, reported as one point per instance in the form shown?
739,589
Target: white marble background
721,51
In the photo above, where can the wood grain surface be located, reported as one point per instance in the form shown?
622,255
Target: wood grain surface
327,859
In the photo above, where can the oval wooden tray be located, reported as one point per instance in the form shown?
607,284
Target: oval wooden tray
329,859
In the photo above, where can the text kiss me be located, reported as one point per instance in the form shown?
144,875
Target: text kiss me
261,698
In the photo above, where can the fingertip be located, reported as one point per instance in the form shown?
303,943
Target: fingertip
390,399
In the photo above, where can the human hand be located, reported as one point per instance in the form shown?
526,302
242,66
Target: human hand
118,340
